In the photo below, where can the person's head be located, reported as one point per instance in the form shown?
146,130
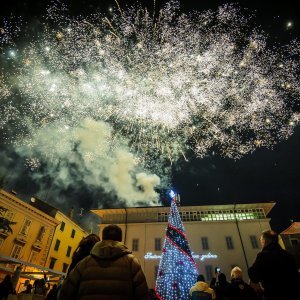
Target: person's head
222,278
268,237
236,273
201,278
83,249
7,278
29,287
112,232
89,241
54,286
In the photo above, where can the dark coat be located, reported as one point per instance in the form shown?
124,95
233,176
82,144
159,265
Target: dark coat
110,272
276,270
6,287
239,290
219,286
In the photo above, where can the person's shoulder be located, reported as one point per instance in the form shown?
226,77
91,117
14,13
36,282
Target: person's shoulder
132,258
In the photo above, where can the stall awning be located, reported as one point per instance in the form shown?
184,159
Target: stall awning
9,260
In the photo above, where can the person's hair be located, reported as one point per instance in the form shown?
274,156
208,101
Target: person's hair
85,245
83,249
112,232
269,236
201,278
236,273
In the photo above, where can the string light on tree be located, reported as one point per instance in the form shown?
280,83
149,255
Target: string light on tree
177,270
289,25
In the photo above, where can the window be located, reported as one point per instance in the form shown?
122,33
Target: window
73,233
157,244
69,251
155,271
52,262
41,234
254,242
33,257
204,241
65,268
25,227
9,215
209,272
229,242
135,245
62,226
57,243
295,244
1,242
16,251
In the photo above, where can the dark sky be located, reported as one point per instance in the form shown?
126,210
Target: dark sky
267,174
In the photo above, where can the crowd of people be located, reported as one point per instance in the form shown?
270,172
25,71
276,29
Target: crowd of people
107,270
273,276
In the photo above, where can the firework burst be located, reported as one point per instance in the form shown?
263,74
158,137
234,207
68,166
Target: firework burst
165,82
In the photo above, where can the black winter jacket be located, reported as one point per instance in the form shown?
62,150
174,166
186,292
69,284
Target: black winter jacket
276,270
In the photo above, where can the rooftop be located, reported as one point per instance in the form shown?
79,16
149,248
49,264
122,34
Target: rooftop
293,229
188,213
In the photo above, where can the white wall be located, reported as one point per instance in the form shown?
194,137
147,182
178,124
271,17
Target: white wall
215,231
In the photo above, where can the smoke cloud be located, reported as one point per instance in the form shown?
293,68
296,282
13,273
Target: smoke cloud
87,155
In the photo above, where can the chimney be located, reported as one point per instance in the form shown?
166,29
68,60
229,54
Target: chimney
71,213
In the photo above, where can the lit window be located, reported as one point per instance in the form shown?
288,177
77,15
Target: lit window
16,251
62,226
229,242
25,227
204,241
135,245
57,243
69,251
157,244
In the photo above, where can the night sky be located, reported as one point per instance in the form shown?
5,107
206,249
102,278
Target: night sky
267,175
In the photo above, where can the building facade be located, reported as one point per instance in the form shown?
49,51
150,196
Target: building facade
66,237
25,237
291,240
221,236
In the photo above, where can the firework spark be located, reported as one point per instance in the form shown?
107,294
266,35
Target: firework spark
164,82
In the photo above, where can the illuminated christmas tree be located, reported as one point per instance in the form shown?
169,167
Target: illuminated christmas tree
177,270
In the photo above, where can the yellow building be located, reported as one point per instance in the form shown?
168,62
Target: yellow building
25,238
65,240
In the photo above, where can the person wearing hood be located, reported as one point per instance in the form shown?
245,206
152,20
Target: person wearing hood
275,269
110,272
201,290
